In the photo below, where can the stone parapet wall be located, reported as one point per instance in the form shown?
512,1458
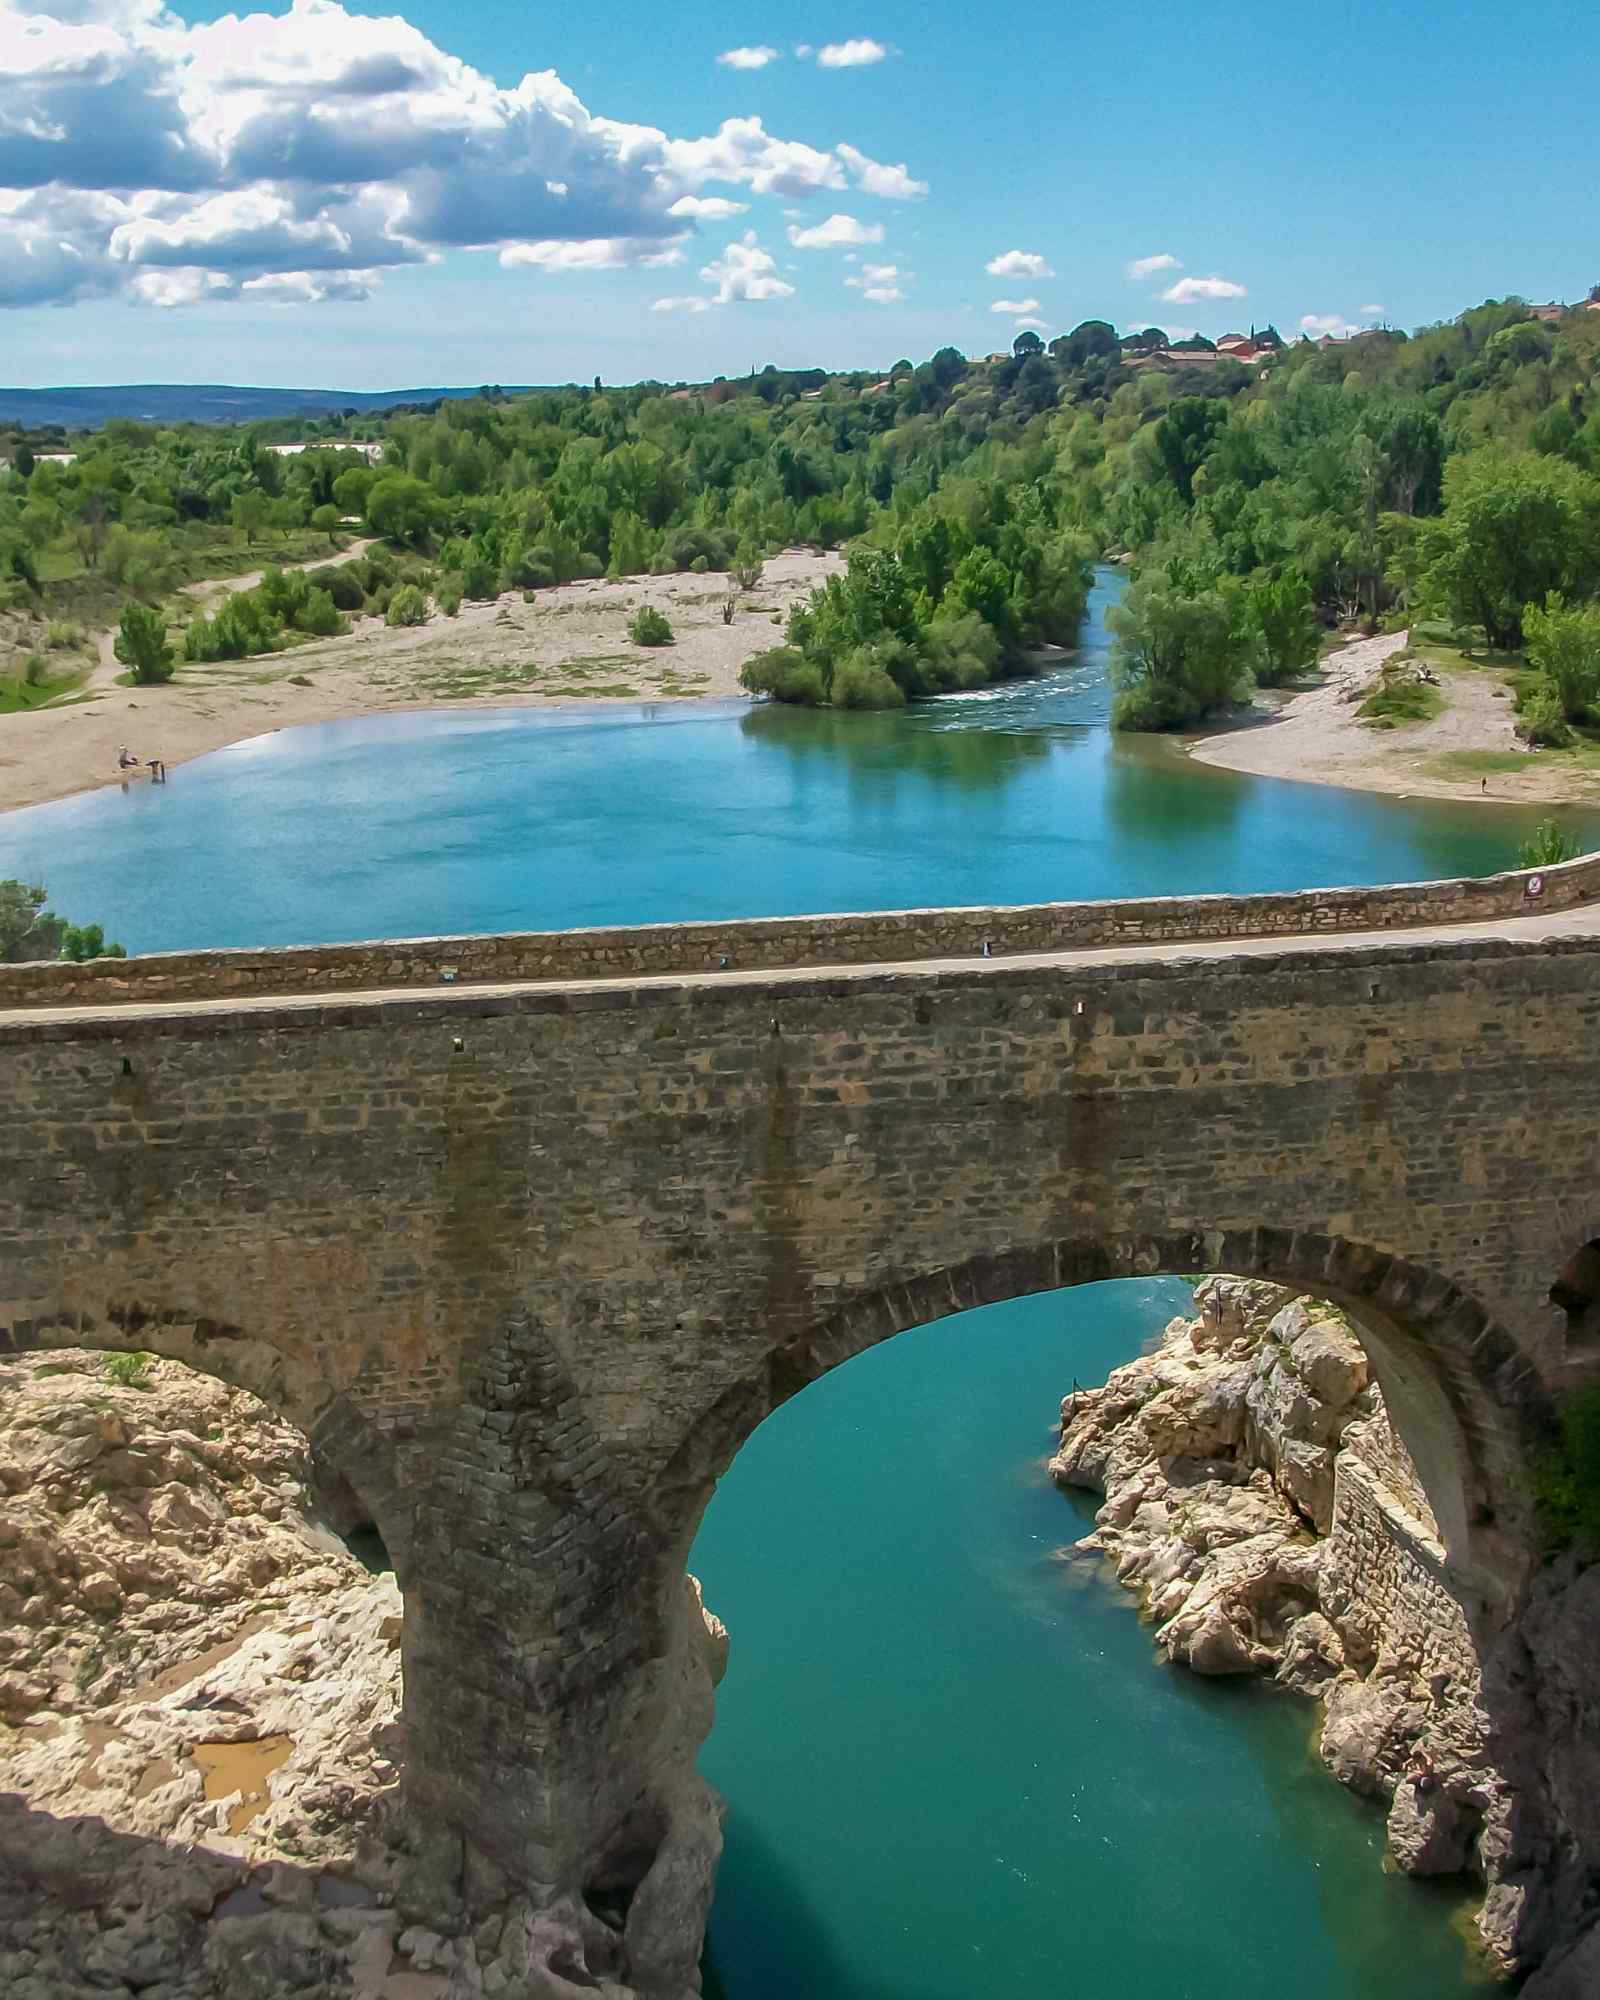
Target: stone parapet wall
884,937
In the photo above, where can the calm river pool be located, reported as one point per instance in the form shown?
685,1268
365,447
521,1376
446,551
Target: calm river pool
955,1771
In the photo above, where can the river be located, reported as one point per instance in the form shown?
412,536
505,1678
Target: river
954,1770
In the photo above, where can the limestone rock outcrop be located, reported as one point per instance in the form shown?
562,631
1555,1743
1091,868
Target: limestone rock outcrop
200,1743
1261,1505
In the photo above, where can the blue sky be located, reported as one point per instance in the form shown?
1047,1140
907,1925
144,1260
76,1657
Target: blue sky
291,197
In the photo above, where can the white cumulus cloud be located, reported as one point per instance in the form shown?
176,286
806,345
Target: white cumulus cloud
1147,267
1038,325
300,154
745,272
1374,312
1015,306
1018,264
1326,323
706,208
854,54
835,233
596,253
882,284
691,303
1193,291
749,58
873,177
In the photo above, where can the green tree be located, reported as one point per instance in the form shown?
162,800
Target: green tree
1178,654
1516,526
1564,648
1184,436
351,488
1284,614
402,509
141,646
1027,342
250,511
27,929
29,932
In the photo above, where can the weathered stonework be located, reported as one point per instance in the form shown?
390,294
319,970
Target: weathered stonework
528,1264
880,937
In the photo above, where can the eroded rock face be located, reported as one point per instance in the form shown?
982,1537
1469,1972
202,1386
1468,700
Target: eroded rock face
1260,1503
200,1740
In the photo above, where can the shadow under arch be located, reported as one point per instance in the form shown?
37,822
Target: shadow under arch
352,1458
1463,1396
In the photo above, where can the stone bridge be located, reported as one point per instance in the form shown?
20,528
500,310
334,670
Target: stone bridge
529,1233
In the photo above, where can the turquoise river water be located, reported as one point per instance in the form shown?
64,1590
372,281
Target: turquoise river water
954,1770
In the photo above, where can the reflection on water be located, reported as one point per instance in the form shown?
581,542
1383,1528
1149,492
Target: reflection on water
528,820
882,758
955,1770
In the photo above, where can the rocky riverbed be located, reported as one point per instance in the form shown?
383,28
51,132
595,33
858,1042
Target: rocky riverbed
200,1741
1270,1520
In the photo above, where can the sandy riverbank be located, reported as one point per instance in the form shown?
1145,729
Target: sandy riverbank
1317,736
570,644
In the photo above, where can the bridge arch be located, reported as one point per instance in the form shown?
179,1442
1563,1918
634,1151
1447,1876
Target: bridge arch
1462,1394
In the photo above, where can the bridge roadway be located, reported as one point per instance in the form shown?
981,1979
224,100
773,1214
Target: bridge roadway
528,1258
1580,922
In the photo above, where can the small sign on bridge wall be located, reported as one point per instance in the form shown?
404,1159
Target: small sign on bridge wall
1535,885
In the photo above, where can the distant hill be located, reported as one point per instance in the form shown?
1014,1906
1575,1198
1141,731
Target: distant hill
194,403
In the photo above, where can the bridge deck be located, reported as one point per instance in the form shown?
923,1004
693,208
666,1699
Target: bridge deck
1581,923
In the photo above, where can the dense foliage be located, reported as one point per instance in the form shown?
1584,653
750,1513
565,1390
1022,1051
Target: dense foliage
28,930
1454,473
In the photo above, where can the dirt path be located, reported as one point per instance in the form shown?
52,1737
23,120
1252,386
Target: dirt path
206,596
1317,736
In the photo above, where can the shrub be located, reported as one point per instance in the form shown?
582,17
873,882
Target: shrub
1566,1477
1400,697
537,576
448,598
62,635
685,548
783,673
318,615
1540,721
407,606
861,680
81,942
960,651
649,627
129,1370
326,521
1547,846
141,646
590,567
341,584
747,566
